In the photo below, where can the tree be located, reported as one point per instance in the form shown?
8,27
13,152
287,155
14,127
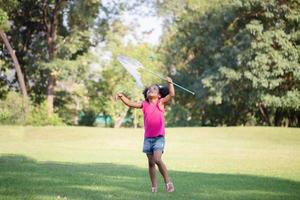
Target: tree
243,59
4,26
113,78
53,40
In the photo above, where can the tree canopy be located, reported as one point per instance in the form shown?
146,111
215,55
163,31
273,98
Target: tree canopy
241,57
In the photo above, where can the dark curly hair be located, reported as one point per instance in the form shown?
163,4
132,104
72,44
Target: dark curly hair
163,91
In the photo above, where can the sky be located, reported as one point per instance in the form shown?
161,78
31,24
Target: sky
148,28
147,25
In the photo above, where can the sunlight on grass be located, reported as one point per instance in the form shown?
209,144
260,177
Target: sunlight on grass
97,188
24,178
95,163
251,150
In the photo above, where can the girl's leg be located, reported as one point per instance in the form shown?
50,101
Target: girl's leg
163,170
152,170
161,166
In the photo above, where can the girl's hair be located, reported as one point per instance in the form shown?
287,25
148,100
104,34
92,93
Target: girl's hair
163,91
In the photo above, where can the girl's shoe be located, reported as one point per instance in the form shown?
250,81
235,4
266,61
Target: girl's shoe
154,189
170,187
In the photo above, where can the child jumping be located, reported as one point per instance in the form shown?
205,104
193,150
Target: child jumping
154,124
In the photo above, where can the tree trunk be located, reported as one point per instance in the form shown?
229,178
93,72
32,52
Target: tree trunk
50,93
18,69
120,119
135,119
51,24
278,117
264,113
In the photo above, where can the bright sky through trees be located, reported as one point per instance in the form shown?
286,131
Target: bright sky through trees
145,23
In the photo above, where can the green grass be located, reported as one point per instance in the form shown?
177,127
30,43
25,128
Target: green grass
94,163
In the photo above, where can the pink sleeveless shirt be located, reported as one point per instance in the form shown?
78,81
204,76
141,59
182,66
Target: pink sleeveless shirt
154,120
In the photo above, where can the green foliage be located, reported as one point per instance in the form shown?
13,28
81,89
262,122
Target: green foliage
38,116
243,58
3,80
87,118
3,20
68,104
178,116
240,56
6,6
114,78
83,13
12,110
69,59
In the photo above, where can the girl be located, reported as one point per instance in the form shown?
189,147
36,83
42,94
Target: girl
154,124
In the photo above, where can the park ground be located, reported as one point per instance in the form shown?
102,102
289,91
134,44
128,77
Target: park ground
97,163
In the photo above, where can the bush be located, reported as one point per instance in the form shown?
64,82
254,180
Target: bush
87,118
38,116
12,112
12,109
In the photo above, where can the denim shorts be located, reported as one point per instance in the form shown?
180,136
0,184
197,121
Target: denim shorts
154,144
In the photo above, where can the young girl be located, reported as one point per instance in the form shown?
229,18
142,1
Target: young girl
154,124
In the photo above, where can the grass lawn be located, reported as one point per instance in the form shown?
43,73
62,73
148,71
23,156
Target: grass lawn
94,163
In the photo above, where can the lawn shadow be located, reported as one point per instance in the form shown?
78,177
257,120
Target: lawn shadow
24,178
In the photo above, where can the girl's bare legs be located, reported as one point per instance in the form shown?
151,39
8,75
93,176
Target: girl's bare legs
161,166
156,159
152,170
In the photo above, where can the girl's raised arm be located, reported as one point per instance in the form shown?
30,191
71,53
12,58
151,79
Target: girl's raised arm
127,101
171,94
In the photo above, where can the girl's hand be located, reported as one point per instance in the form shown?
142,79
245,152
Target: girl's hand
169,80
127,101
167,99
118,96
